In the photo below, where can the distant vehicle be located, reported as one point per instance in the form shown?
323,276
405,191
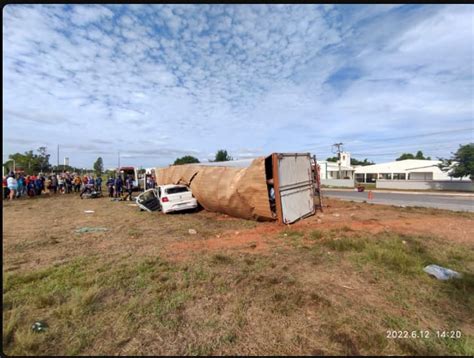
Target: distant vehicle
168,198
125,171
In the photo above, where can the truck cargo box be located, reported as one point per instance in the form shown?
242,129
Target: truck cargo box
247,192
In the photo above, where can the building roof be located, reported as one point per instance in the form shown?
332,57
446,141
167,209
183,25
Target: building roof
407,165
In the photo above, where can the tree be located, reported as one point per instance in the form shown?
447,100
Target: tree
99,167
32,163
364,162
222,156
187,159
43,159
461,164
419,155
354,161
405,156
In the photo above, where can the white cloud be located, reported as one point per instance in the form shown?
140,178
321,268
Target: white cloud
209,77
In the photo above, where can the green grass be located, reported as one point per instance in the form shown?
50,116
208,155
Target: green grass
231,303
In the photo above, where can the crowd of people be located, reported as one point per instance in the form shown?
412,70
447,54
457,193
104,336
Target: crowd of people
18,185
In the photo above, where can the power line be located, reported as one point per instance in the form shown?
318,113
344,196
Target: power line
398,138
430,134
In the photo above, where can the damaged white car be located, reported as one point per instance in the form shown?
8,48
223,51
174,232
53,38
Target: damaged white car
167,198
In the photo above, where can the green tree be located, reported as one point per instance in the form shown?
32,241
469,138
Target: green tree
222,156
364,162
31,163
405,156
419,155
461,164
99,167
354,161
187,159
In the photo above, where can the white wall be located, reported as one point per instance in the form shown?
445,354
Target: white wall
347,183
426,184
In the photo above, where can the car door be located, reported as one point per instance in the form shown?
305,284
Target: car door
149,200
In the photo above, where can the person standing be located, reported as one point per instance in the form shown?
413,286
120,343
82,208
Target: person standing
129,186
38,185
5,188
30,187
77,184
68,183
21,186
61,183
110,186
47,185
54,183
12,186
118,186
98,184
85,180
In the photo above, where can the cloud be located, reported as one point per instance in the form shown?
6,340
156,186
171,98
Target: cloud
160,81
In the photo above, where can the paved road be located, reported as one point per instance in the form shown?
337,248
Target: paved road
443,201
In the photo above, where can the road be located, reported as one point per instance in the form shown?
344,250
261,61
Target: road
439,201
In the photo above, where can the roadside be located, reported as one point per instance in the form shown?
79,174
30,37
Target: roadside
449,193
445,202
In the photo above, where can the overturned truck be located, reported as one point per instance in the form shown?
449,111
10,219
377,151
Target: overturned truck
279,187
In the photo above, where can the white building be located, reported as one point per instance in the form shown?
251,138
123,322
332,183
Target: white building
409,169
330,170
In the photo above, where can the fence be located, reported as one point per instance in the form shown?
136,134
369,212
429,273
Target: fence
426,184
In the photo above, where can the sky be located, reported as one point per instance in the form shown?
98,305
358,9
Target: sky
151,83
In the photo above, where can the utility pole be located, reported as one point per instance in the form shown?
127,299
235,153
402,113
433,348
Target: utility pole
339,150
118,168
57,167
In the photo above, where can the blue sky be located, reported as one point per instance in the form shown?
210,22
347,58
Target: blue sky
157,82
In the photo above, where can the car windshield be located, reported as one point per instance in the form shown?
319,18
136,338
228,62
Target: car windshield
176,190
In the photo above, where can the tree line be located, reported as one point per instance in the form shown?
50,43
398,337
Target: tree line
460,164
221,156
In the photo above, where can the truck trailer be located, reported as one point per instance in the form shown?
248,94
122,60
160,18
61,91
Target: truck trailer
280,186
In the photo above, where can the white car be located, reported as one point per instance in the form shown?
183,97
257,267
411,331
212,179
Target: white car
167,197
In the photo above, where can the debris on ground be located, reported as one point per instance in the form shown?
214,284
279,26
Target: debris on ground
441,273
89,211
192,231
91,229
336,215
39,326
92,195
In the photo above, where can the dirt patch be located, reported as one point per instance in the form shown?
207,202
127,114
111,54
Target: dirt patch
258,240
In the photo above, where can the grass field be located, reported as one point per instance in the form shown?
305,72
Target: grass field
331,284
